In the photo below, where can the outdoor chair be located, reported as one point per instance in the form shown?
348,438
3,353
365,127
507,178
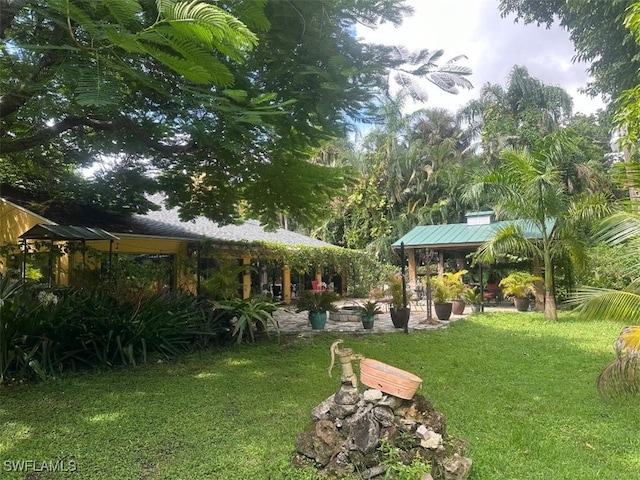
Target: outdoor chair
492,293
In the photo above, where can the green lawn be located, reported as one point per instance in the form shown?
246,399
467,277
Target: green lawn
518,390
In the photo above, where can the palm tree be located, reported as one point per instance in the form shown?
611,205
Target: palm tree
518,114
622,375
528,185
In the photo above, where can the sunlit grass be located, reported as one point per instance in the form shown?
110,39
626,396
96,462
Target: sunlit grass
520,392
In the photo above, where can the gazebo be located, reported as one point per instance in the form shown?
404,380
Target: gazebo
457,239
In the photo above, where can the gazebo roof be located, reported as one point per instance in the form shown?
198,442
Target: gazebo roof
463,235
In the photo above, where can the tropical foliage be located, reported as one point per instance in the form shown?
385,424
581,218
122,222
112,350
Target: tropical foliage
49,332
316,301
220,105
528,185
519,284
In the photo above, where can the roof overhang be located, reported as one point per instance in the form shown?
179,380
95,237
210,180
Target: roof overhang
43,231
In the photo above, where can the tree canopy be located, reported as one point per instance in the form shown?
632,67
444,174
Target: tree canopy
598,33
220,105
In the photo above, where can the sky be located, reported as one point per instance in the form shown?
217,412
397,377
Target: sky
493,46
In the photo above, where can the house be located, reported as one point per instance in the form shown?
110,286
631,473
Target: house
72,244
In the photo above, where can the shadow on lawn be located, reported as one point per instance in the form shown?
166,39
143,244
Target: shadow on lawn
520,391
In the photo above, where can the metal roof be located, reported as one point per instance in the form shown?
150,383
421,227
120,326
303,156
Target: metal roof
43,231
463,234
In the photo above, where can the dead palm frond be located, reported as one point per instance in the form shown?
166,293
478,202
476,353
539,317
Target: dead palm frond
621,376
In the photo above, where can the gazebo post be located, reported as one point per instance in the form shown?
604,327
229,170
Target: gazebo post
198,288
428,285
24,260
84,259
50,280
404,284
481,287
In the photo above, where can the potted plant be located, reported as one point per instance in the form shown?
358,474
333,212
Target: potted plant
441,295
457,290
474,298
368,311
519,285
399,313
248,316
317,303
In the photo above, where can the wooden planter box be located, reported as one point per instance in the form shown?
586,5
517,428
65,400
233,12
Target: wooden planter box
389,379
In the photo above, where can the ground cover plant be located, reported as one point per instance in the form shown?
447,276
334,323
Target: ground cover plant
520,391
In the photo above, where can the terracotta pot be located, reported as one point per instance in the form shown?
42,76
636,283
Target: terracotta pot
443,310
400,316
389,379
458,307
318,320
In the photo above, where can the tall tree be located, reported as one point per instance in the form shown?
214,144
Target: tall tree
598,34
528,184
517,115
219,104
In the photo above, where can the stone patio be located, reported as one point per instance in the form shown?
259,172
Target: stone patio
292,322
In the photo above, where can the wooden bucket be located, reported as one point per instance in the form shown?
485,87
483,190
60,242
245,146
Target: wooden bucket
388,379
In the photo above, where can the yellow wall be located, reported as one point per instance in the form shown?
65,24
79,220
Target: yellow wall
14,221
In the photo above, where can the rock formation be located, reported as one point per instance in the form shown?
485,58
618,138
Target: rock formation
348,429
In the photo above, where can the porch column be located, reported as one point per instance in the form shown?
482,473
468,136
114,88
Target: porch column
440,262
286,284
63,270
246,276
413,277
319,274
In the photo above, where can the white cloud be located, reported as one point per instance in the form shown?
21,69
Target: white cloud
492,44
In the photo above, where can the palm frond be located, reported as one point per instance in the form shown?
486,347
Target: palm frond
629,340
603,303
507,239
621,376
620,227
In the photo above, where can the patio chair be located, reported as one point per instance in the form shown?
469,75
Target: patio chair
276,291
492,293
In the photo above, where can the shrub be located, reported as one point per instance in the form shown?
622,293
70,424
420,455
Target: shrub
45,333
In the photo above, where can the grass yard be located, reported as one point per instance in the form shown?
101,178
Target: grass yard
519,391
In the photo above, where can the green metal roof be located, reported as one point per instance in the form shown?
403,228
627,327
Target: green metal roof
462,234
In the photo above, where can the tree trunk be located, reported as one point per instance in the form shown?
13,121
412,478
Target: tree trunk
550,311
538,285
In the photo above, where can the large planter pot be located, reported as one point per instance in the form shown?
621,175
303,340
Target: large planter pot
400,316
318,320
443,310
367,321
522,304
476,307
458,307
